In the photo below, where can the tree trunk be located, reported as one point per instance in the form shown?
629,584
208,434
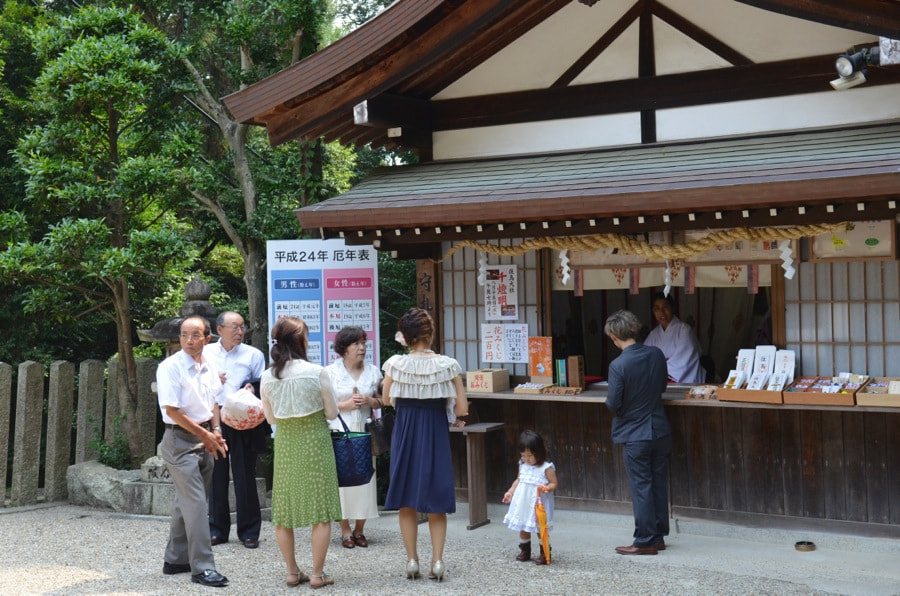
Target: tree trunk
255,279
127,369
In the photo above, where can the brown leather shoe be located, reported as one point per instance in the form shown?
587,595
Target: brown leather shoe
661,545
360,541
215,540
636,550
251,543
348,542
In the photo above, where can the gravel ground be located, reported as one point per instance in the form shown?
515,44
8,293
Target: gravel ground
62,549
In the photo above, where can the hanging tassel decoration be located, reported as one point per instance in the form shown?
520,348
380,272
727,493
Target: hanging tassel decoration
482,269
564,265
668,278
787,263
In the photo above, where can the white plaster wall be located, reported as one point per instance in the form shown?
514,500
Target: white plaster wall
538,58
829,108
538,137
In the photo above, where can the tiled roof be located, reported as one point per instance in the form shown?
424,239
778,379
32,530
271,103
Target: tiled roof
776,171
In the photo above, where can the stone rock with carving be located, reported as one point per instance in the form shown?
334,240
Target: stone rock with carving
96,485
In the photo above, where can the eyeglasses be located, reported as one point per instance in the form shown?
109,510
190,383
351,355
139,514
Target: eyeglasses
193,336
235,327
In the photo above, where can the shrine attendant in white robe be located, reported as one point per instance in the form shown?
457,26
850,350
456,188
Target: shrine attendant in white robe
677,341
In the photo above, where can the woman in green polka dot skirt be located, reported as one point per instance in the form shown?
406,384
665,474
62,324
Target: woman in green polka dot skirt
297,399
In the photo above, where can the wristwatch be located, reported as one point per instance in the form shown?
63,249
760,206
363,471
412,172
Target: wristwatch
217,428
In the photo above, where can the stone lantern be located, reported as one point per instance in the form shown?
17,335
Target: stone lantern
196,304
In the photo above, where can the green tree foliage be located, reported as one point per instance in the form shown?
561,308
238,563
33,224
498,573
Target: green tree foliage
350,14
100,168
244,190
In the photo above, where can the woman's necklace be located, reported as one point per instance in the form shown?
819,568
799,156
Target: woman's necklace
422,351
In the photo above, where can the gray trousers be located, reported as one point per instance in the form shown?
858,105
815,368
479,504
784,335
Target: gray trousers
190,468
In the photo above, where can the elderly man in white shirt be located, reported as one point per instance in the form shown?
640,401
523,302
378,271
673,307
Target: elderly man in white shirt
677,341
238,364
188,388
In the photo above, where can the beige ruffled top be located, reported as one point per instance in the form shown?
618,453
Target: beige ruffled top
303,389
428,376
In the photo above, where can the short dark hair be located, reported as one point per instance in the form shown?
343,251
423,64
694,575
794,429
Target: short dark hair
534,443
346,337
661,296
203,320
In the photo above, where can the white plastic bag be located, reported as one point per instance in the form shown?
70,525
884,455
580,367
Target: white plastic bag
243,410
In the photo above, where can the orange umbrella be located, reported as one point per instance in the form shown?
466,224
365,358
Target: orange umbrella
541,515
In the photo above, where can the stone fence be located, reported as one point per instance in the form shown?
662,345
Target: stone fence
91,416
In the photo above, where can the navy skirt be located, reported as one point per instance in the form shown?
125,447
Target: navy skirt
421,473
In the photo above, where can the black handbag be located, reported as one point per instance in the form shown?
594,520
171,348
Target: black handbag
352,456
381,430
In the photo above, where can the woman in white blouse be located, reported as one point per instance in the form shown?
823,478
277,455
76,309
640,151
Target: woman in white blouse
355,386
297,396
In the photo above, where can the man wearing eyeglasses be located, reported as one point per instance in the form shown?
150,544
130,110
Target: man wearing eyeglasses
238,364
188,389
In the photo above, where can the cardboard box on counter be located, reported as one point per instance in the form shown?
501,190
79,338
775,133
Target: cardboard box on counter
531,388
760,396
878,392
575,371
811,391
487,380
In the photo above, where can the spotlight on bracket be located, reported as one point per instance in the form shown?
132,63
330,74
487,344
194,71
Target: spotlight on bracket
852,68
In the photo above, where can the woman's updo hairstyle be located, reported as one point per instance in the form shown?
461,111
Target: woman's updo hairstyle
417,326
289,334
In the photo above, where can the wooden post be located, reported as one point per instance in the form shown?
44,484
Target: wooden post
5,408
27,441
59,430
427,283
90,409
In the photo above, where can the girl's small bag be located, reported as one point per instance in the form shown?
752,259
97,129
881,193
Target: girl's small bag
352,456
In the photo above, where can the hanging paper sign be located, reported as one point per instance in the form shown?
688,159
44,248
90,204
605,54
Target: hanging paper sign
501,289
867,240
504,343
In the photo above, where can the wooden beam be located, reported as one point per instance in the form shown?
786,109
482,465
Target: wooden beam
737,83
878,17
389,110
601,44
449,33
647,69
704,38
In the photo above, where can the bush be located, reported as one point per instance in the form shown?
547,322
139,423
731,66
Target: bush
115,453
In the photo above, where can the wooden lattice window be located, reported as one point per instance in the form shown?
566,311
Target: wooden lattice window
845,317
463,302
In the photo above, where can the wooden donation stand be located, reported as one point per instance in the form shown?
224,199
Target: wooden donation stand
476,469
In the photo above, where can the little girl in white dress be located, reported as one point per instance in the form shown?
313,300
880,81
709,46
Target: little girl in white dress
534,472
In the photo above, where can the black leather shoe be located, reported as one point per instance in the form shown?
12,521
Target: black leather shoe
251,543
211,578
217,540
173,568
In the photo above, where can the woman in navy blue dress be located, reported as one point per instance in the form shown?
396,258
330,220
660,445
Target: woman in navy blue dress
427,391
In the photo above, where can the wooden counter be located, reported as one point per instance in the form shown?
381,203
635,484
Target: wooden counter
827,467
675,396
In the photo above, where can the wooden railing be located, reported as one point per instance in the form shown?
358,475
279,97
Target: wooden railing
53,423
